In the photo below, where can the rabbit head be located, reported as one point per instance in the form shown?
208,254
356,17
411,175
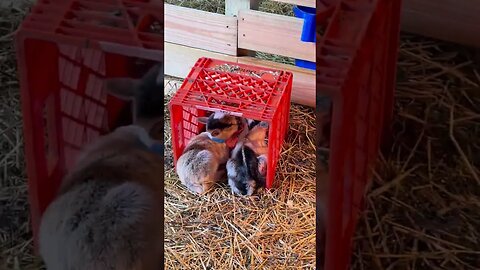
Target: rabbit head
146,94
220,125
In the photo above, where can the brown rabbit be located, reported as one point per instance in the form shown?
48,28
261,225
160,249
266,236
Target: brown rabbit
201,164
108,212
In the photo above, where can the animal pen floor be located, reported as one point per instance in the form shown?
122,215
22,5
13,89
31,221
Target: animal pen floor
224,231
423,208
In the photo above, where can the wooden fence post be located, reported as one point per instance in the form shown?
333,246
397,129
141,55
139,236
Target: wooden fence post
233,6
231,9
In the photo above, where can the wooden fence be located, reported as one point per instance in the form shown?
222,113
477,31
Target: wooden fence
191,34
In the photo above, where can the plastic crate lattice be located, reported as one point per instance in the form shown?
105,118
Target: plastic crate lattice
250,91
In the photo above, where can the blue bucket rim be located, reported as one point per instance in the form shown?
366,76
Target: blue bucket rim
306,10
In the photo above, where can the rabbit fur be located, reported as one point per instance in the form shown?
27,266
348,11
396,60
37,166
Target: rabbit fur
246,168
108,212
201,164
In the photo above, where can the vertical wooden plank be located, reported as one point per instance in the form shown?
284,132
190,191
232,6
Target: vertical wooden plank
233,6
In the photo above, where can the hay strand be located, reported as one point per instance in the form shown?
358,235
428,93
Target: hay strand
423,210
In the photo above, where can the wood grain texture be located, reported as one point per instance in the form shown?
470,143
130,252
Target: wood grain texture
306,3
180,59
200,29
272,33
233,6
451,20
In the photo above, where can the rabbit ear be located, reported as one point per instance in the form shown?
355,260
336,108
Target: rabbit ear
202,119
154,76
128,88
150,93
123,88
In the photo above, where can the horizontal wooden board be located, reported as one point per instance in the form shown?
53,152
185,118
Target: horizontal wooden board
204,30
452,20
180,59
305,3
272,33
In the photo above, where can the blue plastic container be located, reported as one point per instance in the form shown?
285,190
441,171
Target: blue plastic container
308,31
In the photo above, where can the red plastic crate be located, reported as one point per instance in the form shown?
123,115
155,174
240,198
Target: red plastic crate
64,51
356,68
252,92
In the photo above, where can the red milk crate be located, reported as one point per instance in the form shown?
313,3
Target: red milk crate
356,69
64,51
248,91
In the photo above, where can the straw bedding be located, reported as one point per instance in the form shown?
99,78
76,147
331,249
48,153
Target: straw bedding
15,234
224,231
422,211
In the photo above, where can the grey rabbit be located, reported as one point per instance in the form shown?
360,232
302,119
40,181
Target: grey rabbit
108,212
246,169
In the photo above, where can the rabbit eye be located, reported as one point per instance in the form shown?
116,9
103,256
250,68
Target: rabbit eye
215,133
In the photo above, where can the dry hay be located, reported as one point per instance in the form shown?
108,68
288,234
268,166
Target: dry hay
15,234
272,230
424,208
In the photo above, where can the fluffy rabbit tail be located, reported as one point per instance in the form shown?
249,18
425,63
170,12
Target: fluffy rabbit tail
125,207
113,233
127,221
